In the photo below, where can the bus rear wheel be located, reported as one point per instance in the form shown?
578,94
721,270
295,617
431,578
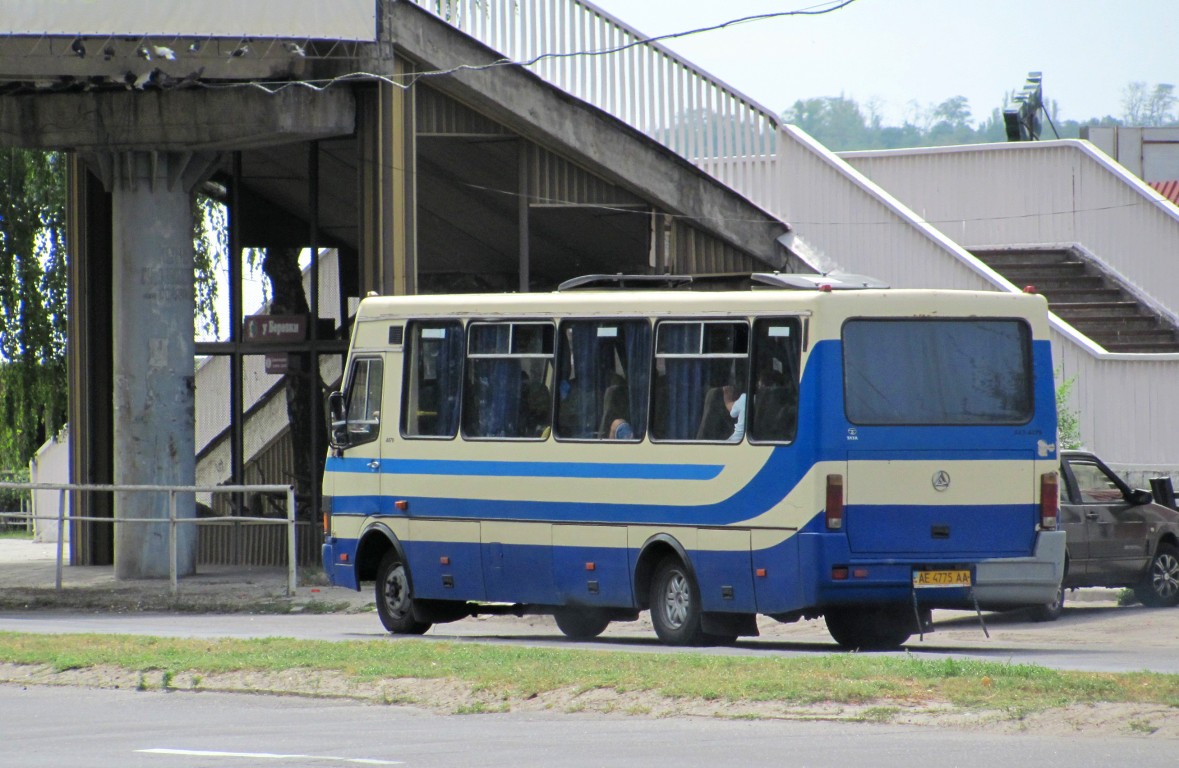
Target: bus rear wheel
870,629
395,597
581,623
675,605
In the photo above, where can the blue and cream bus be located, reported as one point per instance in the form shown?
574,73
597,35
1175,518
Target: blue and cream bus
710,449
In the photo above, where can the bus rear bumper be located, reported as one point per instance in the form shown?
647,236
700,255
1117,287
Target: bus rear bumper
999,583
1017,582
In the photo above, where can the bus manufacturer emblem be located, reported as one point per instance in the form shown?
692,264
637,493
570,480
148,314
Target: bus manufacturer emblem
941,480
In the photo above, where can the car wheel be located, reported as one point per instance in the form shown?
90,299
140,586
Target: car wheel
1049,611
1160,586
395,597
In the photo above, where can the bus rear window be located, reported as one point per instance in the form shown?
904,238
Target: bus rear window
938,372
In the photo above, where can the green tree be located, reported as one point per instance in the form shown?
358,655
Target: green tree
1068,421
33,279
33,296
837,122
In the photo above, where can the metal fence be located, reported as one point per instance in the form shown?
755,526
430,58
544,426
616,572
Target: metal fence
16,508
66,491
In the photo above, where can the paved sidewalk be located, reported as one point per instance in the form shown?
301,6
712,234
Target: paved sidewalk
28,577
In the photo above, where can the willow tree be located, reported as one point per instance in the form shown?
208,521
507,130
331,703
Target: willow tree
33,271
33,297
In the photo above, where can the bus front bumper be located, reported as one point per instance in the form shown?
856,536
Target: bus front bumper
339,570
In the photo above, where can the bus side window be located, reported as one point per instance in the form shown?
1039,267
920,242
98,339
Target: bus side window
701,390
774,410
604,374
432,379
363,402
508,387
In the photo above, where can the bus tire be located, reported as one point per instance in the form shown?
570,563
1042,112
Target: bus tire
394,597
864,628
581,623
675,605
1160,585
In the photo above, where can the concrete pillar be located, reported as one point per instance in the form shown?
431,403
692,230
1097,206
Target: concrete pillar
153,307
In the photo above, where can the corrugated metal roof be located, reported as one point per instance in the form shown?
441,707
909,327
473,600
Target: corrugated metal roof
1168,189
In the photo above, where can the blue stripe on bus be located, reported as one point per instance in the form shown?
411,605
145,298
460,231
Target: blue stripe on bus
579,470
783,469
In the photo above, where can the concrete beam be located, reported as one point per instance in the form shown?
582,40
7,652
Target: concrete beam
47,61
581,132
179,120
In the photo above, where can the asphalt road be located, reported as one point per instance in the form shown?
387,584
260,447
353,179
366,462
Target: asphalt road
1091,636
61,728
50,728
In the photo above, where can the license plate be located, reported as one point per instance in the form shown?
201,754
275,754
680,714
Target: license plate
941,579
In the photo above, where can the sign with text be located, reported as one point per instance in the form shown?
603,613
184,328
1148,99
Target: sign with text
281,363
274,328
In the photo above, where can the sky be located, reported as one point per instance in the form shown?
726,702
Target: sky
898,53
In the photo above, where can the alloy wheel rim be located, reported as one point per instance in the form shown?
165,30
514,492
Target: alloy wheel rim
677,599
1166,576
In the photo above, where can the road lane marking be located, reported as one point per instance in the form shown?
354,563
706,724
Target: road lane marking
266,756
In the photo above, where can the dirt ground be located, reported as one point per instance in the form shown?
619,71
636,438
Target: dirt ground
452,697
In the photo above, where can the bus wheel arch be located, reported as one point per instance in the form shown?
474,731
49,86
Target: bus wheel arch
653,552
376,540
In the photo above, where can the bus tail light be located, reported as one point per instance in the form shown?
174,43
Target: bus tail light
1049,500
325,509
834,512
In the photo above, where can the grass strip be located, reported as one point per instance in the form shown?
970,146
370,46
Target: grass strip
518,673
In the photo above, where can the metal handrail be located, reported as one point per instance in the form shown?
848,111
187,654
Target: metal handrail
173,520
583,50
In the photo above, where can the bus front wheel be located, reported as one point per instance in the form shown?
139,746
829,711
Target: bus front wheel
870,629
395,597
675,605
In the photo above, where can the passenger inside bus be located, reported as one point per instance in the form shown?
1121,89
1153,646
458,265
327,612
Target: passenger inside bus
716,423
735,402
615,414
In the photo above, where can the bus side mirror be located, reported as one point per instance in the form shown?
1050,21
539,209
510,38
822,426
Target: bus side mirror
338,420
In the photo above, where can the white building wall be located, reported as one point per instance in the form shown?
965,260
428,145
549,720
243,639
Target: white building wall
1058,192
1040,193
1151,154
51,465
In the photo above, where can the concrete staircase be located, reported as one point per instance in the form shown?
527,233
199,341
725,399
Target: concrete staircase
1082,295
